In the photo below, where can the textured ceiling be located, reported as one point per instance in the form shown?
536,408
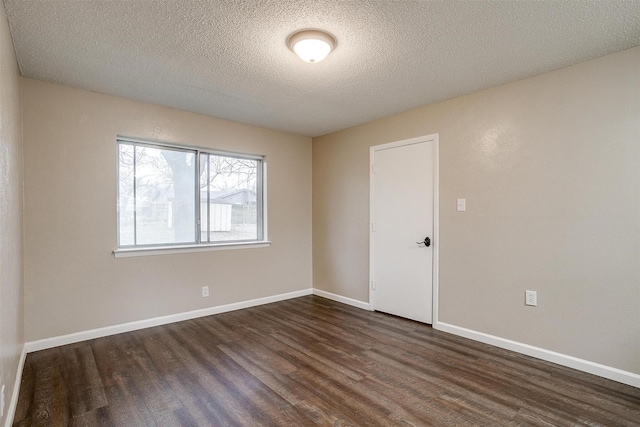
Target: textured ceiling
229,59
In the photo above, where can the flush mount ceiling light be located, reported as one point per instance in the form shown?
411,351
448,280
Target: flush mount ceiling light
311,45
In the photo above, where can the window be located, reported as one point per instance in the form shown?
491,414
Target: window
177,196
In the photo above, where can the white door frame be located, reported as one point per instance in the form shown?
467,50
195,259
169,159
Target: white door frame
434,138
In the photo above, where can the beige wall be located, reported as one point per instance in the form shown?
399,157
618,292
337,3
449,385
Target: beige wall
11,259
72,281
550,168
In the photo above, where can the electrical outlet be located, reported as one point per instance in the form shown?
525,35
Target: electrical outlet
531,298
205,291
2,401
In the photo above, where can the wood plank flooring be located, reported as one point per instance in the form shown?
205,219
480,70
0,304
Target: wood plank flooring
308,362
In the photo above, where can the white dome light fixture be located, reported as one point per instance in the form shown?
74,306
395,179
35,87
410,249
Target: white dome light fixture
311,45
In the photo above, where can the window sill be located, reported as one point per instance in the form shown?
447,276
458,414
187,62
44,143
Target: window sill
167,250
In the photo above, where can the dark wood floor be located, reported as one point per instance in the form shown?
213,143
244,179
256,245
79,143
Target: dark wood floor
306,362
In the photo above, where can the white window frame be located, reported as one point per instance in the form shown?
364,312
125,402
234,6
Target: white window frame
198,246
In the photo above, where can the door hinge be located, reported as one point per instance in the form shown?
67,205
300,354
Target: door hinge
373,285
373,168
373,227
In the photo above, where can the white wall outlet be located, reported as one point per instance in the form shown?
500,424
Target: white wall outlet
2,401
531,298
461,205
205,291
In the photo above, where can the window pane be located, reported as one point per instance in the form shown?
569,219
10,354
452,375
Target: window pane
233,201
165,196
125,195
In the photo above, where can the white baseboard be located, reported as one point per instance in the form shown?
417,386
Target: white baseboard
156,321
11,411
340,298
540,353
550,356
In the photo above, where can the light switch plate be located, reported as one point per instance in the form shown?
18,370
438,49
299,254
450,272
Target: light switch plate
462,205
531,298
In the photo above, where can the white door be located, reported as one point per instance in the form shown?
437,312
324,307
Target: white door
402,221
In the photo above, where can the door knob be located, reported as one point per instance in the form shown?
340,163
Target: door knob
426,242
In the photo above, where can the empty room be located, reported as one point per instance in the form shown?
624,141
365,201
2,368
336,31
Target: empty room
319,213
